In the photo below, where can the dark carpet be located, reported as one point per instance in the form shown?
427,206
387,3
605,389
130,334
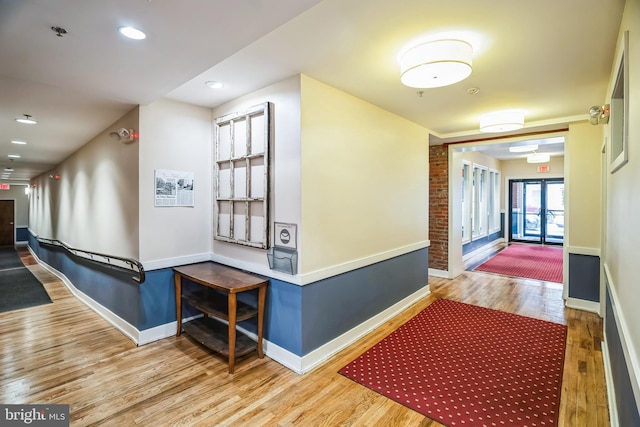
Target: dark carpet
19,288
9,258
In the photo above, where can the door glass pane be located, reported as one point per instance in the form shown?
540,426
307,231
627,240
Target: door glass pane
555,212
533,198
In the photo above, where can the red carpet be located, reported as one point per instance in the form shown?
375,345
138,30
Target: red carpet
464,365
533,262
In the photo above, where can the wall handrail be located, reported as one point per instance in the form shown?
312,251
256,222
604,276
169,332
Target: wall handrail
122,263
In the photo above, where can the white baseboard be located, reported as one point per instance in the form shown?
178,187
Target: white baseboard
300,365
307,363
122,325
439,273
611,391
321,354
581,304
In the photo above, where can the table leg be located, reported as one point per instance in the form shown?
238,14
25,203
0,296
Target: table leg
262,292
178,281
232,331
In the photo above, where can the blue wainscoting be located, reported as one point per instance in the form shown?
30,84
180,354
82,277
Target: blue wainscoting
625,402
143,306
332,306
22,234
298,319
478,243
584,277
302,318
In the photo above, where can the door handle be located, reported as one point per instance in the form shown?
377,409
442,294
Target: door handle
11,223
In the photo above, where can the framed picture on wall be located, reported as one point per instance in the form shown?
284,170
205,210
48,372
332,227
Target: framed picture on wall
619,121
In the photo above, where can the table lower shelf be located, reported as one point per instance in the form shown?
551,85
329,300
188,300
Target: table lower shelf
215,336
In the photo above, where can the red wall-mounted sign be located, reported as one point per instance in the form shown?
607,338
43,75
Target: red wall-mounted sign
5,186
543,169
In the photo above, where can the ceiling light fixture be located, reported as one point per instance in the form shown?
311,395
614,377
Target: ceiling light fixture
17,142
8,169
26,119
214,85
436,63
13,156
538,158
132,33
523,148
502,121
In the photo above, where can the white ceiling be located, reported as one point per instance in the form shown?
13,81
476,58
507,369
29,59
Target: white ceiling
550,58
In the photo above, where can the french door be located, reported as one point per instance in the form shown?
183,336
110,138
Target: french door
536,210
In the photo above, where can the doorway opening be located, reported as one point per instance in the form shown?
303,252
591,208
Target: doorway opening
536,211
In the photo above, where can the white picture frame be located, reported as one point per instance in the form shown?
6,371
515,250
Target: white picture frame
619,119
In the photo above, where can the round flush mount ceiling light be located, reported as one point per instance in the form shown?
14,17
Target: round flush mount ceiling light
214,85
436,63
502,121
132,33
26,119
538,158
523,148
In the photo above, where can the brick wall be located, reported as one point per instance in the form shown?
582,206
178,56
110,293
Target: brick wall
439,207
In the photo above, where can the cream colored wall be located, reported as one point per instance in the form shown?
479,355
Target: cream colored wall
622,248
365,179
174,136
478,158
94,204
582,186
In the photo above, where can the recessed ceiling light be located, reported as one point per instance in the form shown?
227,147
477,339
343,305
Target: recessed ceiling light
26,119
15,141
132,33
214,85
13,156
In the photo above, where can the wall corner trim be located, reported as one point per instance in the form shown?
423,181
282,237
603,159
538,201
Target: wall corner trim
172,262
345,267
580,304
611,390
631,358
444,274
580,250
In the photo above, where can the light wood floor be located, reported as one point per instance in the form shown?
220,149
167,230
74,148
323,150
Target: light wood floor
65,353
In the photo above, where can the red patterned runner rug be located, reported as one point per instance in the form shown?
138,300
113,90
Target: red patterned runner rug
533,262
464,365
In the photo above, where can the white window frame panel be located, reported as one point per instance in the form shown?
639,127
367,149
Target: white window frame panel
480,205
494,200
241,193
467,201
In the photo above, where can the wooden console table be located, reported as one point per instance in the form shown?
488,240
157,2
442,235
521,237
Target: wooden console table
212,333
